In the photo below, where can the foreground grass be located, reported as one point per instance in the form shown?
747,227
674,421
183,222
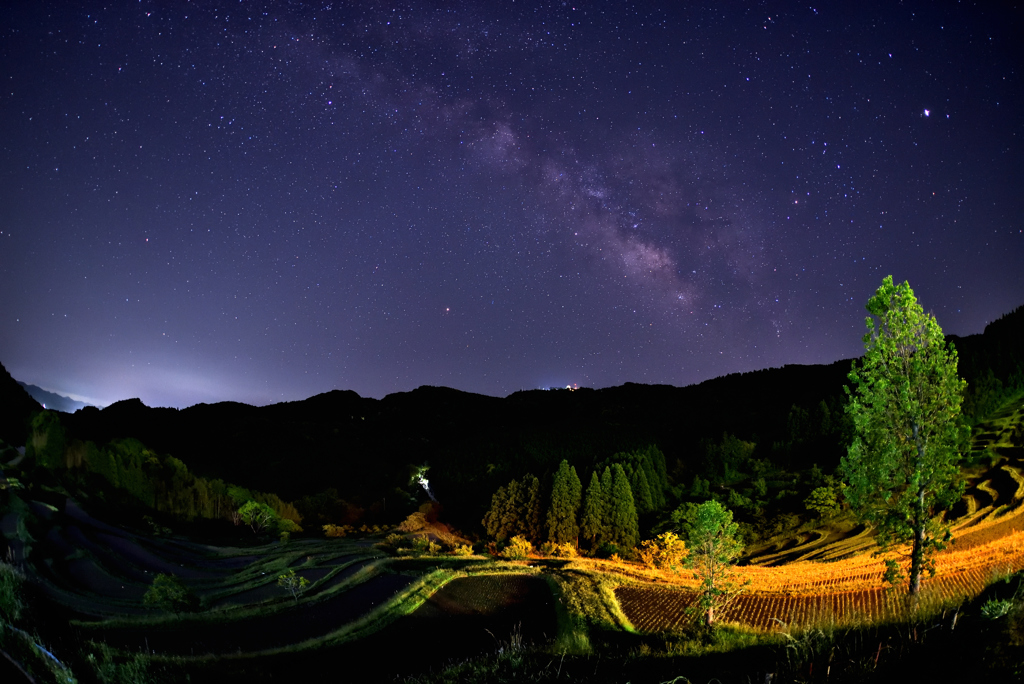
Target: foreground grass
957,643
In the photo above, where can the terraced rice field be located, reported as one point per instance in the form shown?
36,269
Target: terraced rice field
98,574
828,576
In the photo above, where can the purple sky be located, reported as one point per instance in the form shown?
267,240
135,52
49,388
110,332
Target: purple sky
262,201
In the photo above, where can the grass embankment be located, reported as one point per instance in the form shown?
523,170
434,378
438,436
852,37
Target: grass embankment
965,642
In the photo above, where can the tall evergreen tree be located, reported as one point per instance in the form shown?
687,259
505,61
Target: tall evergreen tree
657,459
502,520
492,518
565,505
515,510
657,475
533,520
623,524
641,490
592,520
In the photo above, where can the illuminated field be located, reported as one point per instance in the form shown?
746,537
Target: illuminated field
844,582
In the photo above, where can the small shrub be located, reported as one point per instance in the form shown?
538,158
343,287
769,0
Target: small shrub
518,548
666,552
337,531
563,550
414,523
993,609
393,544
423,546
171,594
293,583
463,550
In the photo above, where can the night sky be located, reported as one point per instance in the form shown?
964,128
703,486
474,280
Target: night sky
263,201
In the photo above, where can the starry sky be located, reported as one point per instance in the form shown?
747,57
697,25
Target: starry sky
261,201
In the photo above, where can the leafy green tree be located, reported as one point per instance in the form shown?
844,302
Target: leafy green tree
824,501
701,488
903,465
592,519
713,544
622,519
258,516
565,505
170,593
294,583
727,459
682,517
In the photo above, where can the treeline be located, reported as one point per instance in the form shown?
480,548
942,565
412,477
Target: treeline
606,517
633,495
159,482
993,365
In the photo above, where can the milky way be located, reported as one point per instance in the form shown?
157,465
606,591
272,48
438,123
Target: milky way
260,202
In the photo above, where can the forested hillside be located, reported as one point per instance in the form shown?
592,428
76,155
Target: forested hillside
363,455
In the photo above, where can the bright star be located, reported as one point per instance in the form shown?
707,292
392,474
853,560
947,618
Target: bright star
927,112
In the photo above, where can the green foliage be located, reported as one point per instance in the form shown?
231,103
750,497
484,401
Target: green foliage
647,474
623,525
162,483
682,517
824,501
393,543
171,594
295,584
993,609
565,504
700,489
713,544
641,491
902,467
817,432
595,505
258,516
47,442
423,546
11,581
726,460
515,510
112,668
532,524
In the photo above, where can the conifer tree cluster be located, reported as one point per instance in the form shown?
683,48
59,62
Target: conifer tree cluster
516,510
620,490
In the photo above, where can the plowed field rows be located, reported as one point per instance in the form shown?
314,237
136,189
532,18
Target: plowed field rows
802,593
989,542
652,609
